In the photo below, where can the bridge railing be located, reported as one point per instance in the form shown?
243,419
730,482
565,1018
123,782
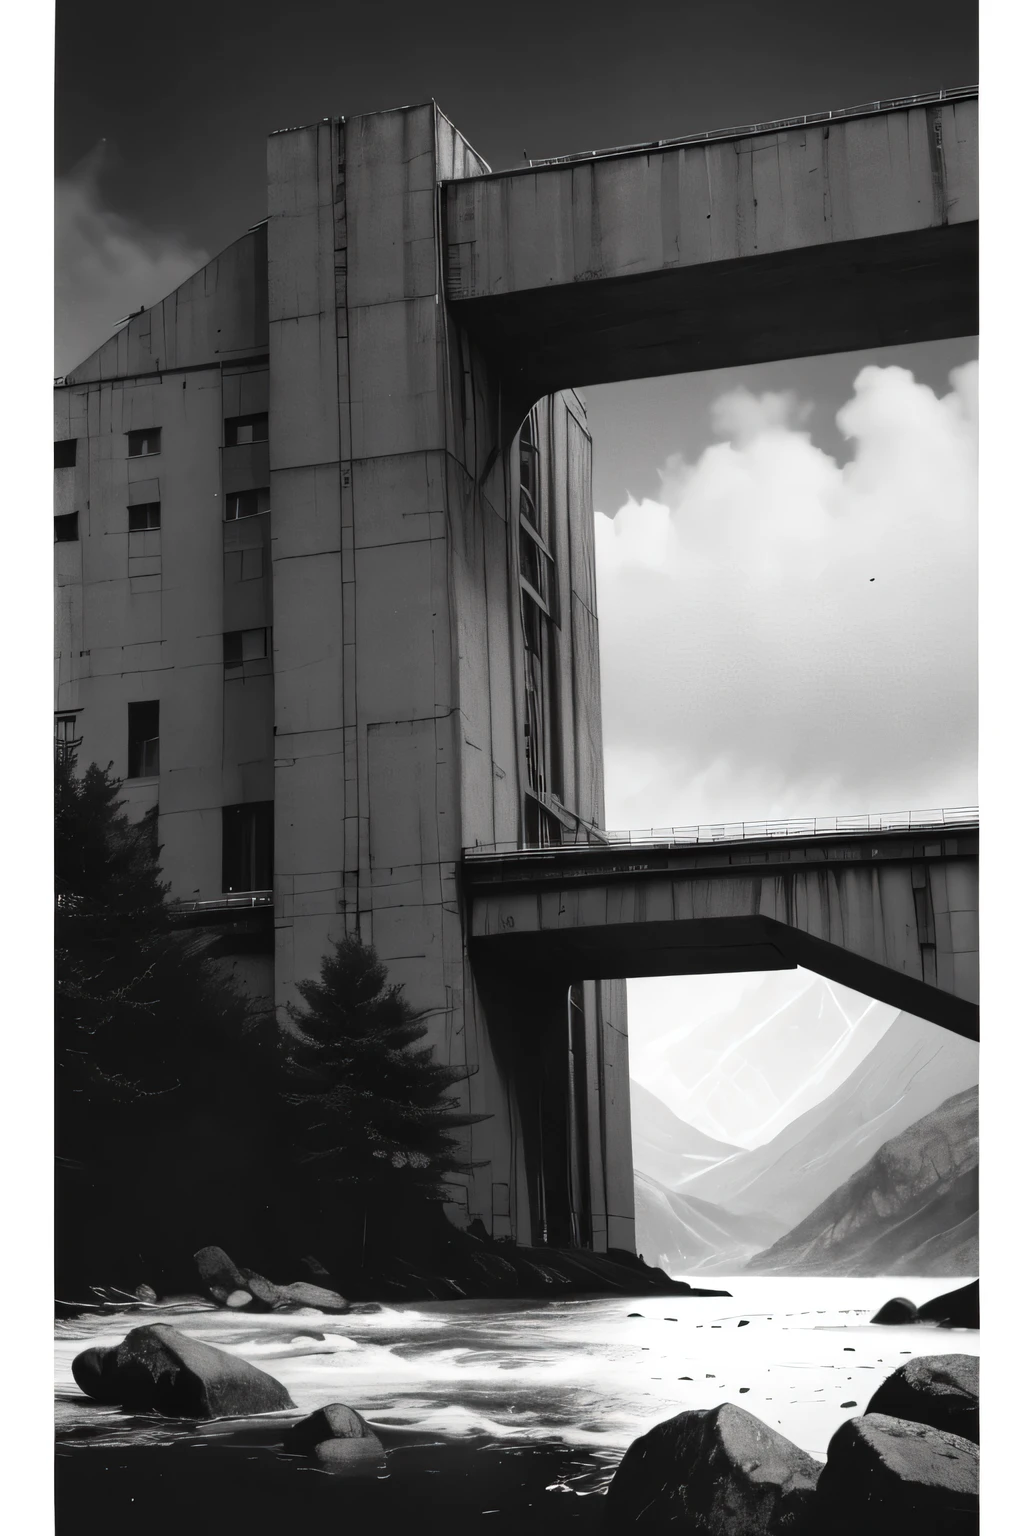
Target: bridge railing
747,831
778,125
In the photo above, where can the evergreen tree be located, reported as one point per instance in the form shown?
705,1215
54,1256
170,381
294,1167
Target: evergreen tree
165,1081
371,1119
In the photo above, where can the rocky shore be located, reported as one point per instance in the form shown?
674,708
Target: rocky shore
909,1461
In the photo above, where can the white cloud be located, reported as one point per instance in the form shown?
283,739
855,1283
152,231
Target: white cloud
106,265
751,666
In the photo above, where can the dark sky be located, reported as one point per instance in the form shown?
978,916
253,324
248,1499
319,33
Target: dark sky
185,93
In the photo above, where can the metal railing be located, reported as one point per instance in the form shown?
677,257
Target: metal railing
747,130
746,831
242,901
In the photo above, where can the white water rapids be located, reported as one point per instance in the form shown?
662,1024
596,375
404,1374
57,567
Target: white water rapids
800,1354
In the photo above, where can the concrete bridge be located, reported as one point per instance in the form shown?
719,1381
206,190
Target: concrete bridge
890,910
817,234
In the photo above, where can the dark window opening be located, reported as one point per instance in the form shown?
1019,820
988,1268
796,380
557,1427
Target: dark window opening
144,739
240,430
241,645
65,453
246,504
65,736
144,514
143,443
65,528
247,846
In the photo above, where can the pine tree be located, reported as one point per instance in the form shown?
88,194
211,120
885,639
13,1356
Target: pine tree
164,1071
372,1123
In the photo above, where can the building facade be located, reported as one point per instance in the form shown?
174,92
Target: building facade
326,598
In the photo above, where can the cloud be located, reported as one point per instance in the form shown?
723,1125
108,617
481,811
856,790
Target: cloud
782,635
106,265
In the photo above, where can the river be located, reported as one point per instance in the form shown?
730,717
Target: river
495,1415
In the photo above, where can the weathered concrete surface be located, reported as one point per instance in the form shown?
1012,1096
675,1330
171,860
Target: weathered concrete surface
892,915
399,650
856,233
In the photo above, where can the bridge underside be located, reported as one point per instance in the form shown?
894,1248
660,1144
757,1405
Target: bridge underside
894,918
801,302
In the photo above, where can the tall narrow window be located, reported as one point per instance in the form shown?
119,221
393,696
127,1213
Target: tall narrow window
144,739
247,846
143,443
246,504
143,515
65,453
65,528
538,596
239,430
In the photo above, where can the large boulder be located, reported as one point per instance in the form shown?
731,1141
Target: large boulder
218,1273
338,1438
940,1390
955,1309
719,1471
890,1477
157,1369
898,1310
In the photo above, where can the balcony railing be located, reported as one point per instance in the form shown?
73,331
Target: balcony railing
965,817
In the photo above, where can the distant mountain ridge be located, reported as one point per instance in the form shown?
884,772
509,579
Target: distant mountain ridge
665,1147
684,1236
913,1069
911,1209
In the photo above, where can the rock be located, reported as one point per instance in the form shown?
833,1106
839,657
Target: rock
238,1299
262,1290
158,1368
340,1439
300,1293
940,1390
898,1310
218,1274
890,1477
93,1371
145,1293
955,1309
719,1471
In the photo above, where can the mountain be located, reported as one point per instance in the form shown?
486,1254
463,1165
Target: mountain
912,1208
914,1068
682,1236
741,1074
664,1146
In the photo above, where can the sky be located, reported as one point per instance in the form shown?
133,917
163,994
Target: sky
786,554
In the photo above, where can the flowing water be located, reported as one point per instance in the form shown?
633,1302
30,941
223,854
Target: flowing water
513,1411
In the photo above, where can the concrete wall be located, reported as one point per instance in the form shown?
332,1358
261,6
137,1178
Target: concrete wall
397,640
141,615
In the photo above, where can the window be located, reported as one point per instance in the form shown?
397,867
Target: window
246,504
144,514
241,645
65,453
65,737
141,444
247,846
144,740
65,528
239,430
538,596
